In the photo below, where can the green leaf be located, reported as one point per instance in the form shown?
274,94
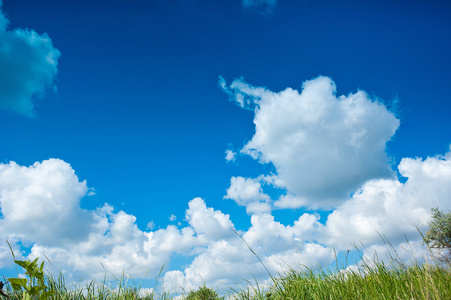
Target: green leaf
24,264
17,283
41,281
26,296
46,295
35,290
39,275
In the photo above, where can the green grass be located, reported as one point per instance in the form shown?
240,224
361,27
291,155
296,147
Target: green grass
377,282
370,281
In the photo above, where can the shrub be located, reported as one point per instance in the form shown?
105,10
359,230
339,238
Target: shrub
203,293
439,234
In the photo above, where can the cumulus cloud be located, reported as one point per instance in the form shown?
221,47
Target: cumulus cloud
209,224
28,66
31,197
40,207
248,192
392,208
228,261
323,146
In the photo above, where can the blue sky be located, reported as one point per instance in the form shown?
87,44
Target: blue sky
117,115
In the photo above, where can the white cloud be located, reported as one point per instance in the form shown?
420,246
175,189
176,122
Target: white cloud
324,147
290,202
209,224
31,197
28,66
228,261
230,155
40,206
248,192
172,218
222,263
390,207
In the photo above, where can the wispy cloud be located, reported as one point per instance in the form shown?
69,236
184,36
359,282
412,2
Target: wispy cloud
28,67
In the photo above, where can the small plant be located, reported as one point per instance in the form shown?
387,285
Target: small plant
33,286
203,293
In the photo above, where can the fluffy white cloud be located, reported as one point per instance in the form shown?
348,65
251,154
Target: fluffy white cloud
392,208
324,147
40,206
248,192
209,224
290,201
47,192
228,261
28,66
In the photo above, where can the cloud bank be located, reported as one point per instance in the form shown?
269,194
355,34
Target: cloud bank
40,207
28,67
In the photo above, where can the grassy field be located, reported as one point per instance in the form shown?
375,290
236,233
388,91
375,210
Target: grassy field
370,281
